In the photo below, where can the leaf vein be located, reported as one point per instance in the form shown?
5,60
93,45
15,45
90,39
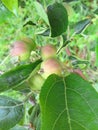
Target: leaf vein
79,124
85,101
67,106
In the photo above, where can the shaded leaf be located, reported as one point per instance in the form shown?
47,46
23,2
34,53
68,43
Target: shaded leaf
76,61
17,127
22,3
38,125
34,117
11,112
12,5
81,25
41,12
29,23
68,103
70,0
58,19
65,42
44,33
96,11
15,76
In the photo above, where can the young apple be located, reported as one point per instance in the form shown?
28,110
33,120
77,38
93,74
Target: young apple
36,82
51,66
22,49
48,51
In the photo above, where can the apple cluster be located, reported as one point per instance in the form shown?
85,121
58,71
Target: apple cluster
50,65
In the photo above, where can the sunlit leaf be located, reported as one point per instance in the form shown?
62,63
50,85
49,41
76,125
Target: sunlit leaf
12,5
41,12
70,10
5,14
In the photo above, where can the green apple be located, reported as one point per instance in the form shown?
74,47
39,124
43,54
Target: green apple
36,82
48,51
51,66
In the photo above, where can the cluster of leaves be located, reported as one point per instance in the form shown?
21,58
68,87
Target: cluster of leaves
67,102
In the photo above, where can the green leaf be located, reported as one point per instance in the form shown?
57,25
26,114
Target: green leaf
96,11
41,12
12,5
5,14
14,77
96,50
68,103
81,25
58,19
44,33
17,127
29,23
38,125
70,0
34,117
11,112
76,61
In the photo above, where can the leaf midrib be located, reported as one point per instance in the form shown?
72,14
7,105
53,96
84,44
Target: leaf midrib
67,109
66,104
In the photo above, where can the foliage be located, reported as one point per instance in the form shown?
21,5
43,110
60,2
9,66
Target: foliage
65,104
57,102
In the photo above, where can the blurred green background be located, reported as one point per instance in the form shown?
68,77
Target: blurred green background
12,27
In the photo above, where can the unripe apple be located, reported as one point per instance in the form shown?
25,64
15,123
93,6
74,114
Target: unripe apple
29,41
36,82
22,49
48,51
51,66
